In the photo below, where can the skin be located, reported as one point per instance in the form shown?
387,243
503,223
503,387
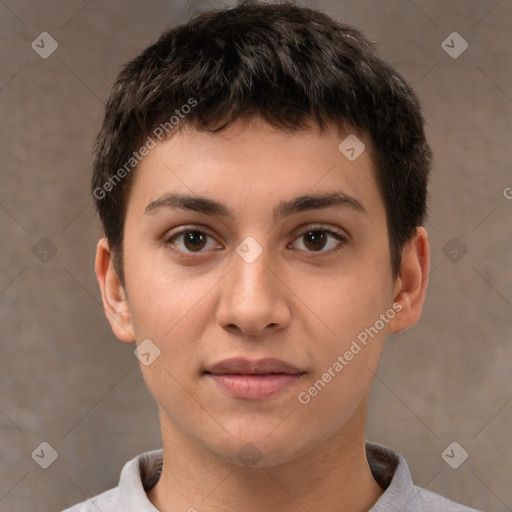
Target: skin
298,302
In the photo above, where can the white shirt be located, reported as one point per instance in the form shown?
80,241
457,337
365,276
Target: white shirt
388,467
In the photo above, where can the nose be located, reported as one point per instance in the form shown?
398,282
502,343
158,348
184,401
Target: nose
254,297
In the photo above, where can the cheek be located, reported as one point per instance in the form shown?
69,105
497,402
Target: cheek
349,306
346,354
164,297
346,302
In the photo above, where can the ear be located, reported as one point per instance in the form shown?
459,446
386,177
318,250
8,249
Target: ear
411,284
113,295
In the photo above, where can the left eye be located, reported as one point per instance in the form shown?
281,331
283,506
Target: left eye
316,240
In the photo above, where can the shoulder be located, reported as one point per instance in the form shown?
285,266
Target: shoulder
106,502
137,476
425,500
391,471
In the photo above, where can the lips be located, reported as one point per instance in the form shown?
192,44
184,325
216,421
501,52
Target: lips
253,380
248,367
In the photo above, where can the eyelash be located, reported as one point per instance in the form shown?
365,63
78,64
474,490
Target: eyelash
343,240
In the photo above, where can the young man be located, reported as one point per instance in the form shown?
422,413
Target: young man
261,176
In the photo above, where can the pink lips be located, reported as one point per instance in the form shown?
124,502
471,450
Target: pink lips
253,380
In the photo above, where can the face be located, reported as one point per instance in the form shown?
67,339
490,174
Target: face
256,270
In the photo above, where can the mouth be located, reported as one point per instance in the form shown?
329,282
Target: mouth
253,380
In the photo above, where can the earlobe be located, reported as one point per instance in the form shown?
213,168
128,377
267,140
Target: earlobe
411,283
115,304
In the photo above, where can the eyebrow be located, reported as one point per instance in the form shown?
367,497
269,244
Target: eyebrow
298,204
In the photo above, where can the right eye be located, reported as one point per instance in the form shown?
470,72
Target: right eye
190,240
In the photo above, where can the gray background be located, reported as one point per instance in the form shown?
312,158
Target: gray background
64,377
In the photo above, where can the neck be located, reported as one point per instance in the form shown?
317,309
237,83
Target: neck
334,476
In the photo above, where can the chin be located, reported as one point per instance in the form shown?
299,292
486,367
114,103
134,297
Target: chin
262,451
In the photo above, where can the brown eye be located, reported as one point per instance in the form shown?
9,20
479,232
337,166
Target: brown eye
316,240
190,241
194,240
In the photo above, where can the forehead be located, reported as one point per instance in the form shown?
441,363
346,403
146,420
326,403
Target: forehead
252,164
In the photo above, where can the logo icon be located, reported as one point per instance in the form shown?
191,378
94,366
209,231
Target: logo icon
45,455
249,454
454,455
249,249
454,249
44,45
454,45
44,250
146,352
351,147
